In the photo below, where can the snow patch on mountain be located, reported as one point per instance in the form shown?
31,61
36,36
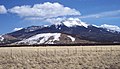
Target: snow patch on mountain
1,38
95,25
32,28
17,29
72,38
46,38
45,25
111,28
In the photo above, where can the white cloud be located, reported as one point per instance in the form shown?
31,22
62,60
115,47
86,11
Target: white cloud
43,11
56,20
103,14
16,29
3,10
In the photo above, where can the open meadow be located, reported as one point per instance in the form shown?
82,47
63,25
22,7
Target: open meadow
56,57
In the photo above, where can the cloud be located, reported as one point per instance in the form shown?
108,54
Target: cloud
55,20
16,29
103,14
3,10
43,11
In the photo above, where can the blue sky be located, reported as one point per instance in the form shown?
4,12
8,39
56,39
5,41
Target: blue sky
91,11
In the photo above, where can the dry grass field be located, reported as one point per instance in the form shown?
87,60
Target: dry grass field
77,57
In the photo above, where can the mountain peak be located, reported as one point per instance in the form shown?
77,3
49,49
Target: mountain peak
70,22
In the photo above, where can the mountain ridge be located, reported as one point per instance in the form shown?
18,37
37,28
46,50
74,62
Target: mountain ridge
74,28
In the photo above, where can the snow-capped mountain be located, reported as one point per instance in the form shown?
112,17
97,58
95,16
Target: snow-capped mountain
71,30
111,28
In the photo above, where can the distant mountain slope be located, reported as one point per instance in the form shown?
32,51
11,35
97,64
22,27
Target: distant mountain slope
51,38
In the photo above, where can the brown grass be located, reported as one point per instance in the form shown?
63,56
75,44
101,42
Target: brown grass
60,57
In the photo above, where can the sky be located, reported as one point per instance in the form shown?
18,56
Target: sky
17,14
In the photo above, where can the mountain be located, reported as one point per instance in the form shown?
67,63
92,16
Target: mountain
51,38
68,31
